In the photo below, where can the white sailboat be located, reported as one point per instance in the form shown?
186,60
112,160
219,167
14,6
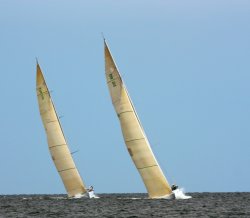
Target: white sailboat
58,147
134,136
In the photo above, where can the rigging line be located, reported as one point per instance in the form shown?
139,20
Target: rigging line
73,152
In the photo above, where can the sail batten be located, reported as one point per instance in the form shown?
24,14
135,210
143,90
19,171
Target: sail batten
57,143
133,133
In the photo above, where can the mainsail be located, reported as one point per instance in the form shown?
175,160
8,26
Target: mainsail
58,147
133,133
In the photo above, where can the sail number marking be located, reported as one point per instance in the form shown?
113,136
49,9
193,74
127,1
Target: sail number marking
41,93
112,80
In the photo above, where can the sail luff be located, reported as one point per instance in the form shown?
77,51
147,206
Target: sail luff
133,133
58,146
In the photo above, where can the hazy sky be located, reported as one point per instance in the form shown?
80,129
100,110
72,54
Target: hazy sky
186,65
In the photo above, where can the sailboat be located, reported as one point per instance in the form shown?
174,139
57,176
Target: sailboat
134,136
58,146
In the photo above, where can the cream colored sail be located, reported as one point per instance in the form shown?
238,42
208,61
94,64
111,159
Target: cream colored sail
133,133
58,147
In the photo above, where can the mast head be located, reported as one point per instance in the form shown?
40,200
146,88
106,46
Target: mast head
103,36
104,40
37,61
39,74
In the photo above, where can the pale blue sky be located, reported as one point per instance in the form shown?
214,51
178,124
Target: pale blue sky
186,65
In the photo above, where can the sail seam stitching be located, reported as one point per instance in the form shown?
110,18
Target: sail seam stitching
124,112
67,169
134,140
141,168
57,145
52,121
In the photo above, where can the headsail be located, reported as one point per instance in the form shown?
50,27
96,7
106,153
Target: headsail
133,133
58,147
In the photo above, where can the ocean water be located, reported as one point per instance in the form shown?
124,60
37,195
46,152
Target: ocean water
126,205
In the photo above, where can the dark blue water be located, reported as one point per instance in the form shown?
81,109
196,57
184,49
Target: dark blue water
125,205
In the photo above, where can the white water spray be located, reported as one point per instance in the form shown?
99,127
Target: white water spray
180,194
92,195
